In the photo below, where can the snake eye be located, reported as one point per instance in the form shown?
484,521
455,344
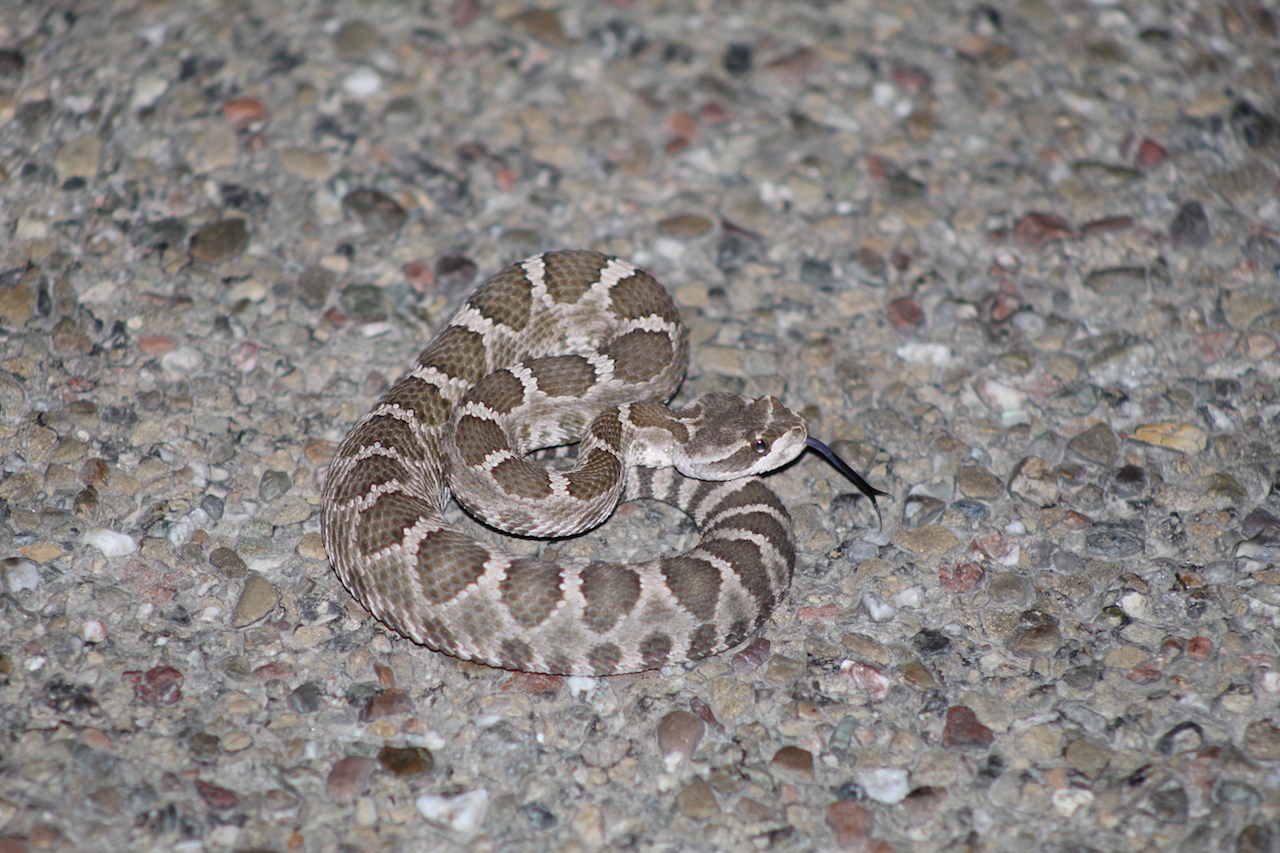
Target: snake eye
762,446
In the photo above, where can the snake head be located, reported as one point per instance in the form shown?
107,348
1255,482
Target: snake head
732,437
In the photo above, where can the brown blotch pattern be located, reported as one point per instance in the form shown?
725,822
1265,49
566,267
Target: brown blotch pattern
739,630
563,375
766,525
420,397
384,524
522,478
500,391
476,438
639,355
435,635
655,649
568,275
506,299
703,642
448,562
607,429
599,473
367,473
531,590
744,556
650,414
604,658
611,591
514,653
694,583
391,432
457,352
639,296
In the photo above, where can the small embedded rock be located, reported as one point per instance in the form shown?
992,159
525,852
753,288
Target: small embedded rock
963,729
679,734
349,777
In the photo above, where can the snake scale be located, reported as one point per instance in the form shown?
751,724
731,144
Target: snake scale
564,347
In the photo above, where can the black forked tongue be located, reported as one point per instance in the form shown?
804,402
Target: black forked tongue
853,476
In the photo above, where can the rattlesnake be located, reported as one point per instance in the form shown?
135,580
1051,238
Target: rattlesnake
564,347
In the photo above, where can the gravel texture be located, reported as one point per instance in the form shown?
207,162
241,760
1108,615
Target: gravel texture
1016,260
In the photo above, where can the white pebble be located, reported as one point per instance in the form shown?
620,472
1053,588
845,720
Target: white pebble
463,813
912,596
884,784
110,542
877,608
147,90
1068,800
182,360
21,573
937,355
362,83
93,631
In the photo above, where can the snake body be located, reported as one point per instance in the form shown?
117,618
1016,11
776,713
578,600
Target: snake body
564,347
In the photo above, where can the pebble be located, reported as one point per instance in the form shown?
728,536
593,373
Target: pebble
1098,444
679,734
257,598
851,822
380,214
684,226
1190,227
362,83
1034,479
221,241
698,801
867,679
80,158
963,729
1262,741
462,814
20,574
349,778
886,785
792,764
111,543
406,761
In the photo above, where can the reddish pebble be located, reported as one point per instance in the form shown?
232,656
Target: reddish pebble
963,729
850,821
869,680
679,734
993,546
877,167
349,778
1199,648
506,179
752,657
911,80
1075,521
1150,154
682,125
1214,345
905,313
242,113
814,614
1036,229
160,685
704,712
244,356
715,113
419,276
1004,305
1107,223
1147,673
960,577
215,797
385,704
156,344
